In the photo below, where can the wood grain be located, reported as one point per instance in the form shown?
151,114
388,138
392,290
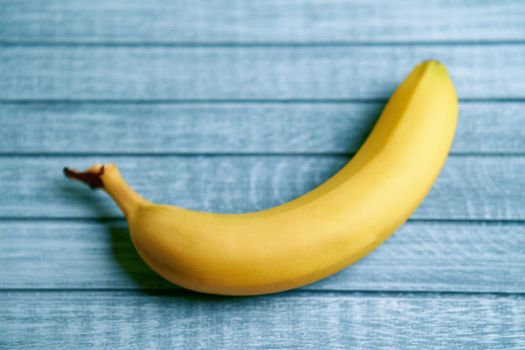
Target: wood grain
226,21
469,188
421,256
190,321
127,128
250,73
233,106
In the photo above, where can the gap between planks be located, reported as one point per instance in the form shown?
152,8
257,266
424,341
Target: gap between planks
231,154
242,101
121,219
180,292
261,44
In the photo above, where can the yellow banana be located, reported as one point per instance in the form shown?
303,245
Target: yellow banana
315,235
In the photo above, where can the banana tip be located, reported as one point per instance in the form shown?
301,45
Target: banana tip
436,65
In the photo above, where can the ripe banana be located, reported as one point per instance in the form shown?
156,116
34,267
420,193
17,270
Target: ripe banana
315,235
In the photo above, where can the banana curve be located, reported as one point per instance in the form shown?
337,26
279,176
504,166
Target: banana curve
323,231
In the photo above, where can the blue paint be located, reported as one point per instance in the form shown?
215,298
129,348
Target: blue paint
235,106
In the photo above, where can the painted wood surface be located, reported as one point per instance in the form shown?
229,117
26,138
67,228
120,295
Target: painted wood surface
234,106
249,22
304,321
469,188
421,256
314,128
250,73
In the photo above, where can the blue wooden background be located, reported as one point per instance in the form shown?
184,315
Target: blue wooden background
234,106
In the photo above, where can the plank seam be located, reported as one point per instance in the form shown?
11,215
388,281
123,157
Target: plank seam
231,154
261,44
23,101
176,291
118,219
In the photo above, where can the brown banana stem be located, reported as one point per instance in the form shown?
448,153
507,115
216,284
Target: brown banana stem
109,179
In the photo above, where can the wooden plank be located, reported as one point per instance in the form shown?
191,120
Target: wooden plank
484,127
190,321
237,73
164,21
469,188
422,256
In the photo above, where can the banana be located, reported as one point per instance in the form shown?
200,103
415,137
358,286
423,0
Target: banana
317,234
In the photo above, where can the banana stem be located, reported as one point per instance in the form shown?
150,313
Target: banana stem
109,179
